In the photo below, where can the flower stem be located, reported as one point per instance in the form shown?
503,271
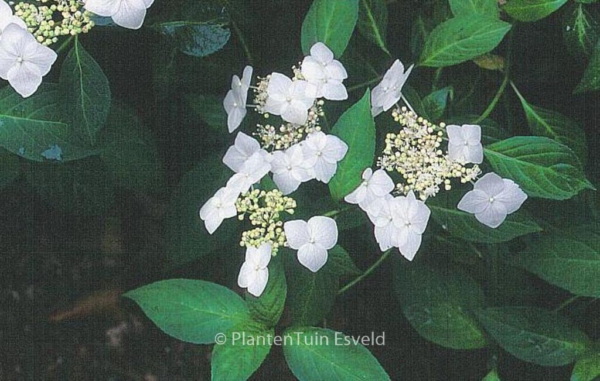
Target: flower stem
407,104
566,303
335,212
494,101
240,36
65,44
366,273
365,84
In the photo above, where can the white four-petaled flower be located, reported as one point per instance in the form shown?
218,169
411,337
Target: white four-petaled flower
322,152
492,199
254,273
388,92
322,70
312,239
23,60
243,148
235,100
374,185
464,143
219,207
251,172
410,217
126,13
7,17
290,99
290,169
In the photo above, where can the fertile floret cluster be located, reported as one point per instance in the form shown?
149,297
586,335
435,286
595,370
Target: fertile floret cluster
48,22
415,153
264,210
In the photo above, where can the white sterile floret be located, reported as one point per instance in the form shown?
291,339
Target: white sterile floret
243,148
254,273
386,232
388,92
374,185
126,13
7,17
410,218
492,199
322,152
219,207
290,169
235,100
465,143
312,239
251,172
290,99
326,73
23,60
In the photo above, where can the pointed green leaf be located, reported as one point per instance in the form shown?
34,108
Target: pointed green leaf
474,7
587,368
341,263
210,109
435,103
34,129
540,166
246,346
372,22
86,93
190,310
569,260
465,225
268,308
556,126
591,76
532,10
437,305
534,335
330,22
196,28
460,39
322,354
580,31
492,376
356,128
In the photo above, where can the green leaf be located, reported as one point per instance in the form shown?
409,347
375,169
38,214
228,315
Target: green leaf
190,310
461,39
196,28
435,103
245,348
437,305
86,93
341,263
9,168
310,295
556,126
187,238
82,187
532,10
421,28
591,76
209,108
356,128
540,166
372,21
492,376
534,335
330,22
33,127
587,368
268,307
580,31
321,354
465,225
570,260
129,152
474,7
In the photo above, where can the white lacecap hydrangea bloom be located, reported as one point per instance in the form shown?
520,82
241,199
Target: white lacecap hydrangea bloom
312,239
389,91
327,74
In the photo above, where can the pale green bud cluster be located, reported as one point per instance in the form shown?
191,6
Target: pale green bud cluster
287,134
44,22
264,209
414,152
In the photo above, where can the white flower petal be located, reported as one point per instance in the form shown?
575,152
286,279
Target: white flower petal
295,113
493,215
261,278
129,16
312,256
25,78
410,243
323,230
512,196
334,90
296,233
475,201
380,183
243,148
491,184
104,8
335,70
262,255
246,275
320,52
